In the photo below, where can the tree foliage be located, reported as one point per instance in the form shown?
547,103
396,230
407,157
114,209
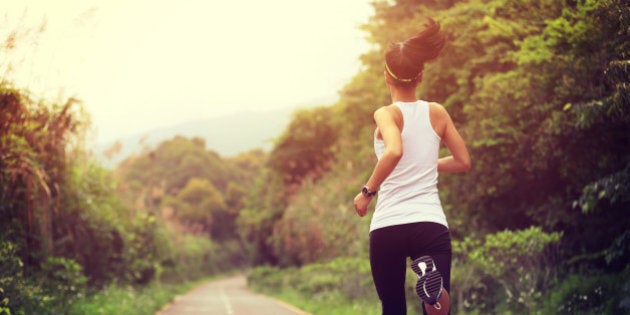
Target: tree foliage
304,150
204,191
539,90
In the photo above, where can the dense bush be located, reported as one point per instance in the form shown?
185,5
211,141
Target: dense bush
522,263
51,290
589,293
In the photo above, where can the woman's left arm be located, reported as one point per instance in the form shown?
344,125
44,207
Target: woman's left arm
390,131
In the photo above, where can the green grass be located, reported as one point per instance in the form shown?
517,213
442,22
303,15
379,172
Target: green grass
146,300
329,306
340,286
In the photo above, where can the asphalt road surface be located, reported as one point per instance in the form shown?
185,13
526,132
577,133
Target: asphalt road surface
228,296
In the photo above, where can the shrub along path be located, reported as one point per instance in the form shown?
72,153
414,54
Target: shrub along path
228,296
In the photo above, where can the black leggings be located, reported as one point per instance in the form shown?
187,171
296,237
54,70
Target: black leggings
389,249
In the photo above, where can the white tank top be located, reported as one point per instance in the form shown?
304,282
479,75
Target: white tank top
410,194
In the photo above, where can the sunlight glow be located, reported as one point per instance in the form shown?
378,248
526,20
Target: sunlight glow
141,64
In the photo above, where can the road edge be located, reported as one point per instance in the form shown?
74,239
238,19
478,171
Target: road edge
286,305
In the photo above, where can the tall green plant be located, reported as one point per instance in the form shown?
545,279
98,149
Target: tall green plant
33,141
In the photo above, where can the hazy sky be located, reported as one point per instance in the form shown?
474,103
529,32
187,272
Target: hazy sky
140,64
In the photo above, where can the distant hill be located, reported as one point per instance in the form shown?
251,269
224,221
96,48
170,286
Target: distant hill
227,135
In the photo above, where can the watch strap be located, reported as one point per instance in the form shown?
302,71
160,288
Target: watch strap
367,192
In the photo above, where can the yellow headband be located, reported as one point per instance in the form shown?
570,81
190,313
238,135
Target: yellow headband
391,74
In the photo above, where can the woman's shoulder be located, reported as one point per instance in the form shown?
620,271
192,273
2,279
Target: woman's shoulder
389,113
390,109
439,117
435,106
437,111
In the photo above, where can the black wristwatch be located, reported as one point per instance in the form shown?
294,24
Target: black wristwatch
366,192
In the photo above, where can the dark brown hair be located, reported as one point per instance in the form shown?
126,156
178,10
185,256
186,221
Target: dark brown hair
405,60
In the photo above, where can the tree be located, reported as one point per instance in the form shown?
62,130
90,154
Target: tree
199,204
304,150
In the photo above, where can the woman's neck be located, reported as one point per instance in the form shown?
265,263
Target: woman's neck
403,95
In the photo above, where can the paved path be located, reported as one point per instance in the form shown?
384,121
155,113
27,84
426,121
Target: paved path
228,296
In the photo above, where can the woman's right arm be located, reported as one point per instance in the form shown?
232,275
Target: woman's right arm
459,160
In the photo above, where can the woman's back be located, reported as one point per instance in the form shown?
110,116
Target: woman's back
409,194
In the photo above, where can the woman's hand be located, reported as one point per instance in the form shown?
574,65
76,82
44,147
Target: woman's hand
361,203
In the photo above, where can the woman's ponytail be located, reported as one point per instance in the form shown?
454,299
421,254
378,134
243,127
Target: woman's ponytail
427,44
404,61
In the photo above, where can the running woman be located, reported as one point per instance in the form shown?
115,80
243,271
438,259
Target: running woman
409,220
